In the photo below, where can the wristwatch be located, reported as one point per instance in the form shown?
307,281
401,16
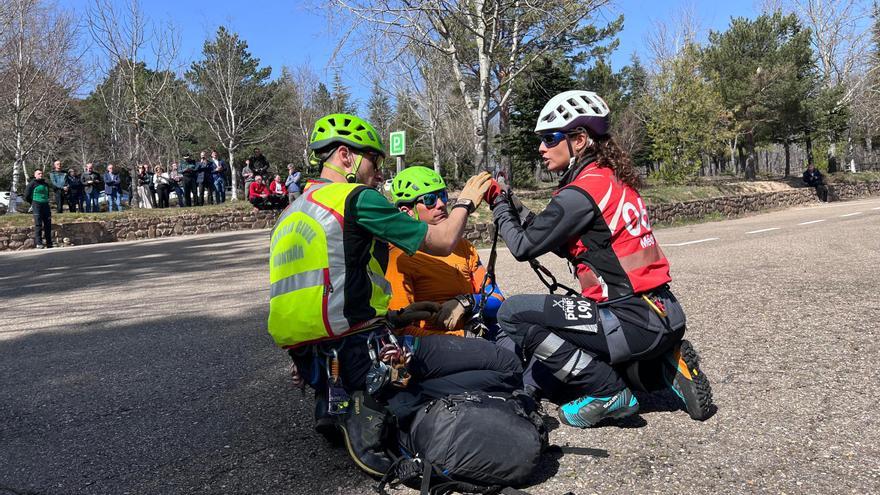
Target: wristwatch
465,203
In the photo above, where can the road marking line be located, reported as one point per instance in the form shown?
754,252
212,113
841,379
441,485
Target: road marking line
877,208
851,214
763,230
691,242
812,221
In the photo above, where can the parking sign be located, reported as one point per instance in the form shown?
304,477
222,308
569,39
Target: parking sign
397,143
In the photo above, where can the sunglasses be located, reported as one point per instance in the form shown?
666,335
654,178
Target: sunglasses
376,158
430,199
551,139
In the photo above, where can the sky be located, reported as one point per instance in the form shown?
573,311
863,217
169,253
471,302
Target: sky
286,32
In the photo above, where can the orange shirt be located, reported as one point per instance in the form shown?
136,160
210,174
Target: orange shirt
423,277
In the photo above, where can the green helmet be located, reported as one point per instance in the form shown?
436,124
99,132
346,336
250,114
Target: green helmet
350,130
414,181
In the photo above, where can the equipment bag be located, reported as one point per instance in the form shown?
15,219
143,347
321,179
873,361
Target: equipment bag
476,442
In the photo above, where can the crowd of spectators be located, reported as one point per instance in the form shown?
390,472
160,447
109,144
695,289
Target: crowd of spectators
192,181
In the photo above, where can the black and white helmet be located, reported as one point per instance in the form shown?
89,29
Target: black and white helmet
570,110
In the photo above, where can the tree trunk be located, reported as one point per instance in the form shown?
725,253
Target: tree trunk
787,145
740,163
809,144
233,171
832,157
752,159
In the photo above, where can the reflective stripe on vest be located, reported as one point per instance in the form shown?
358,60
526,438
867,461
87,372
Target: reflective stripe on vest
307,270
624,259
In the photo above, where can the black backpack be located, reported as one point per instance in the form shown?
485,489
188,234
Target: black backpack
476,442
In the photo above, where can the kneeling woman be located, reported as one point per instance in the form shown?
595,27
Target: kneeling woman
627,314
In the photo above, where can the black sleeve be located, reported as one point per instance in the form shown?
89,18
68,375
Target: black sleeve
29,193
568,213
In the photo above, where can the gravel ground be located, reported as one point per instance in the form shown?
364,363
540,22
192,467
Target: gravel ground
145,368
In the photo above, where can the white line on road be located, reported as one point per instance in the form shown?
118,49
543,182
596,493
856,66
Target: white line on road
851,214
691,242
877,208
811,221
763,230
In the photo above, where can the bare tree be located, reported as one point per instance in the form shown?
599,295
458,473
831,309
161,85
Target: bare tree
40,72
231,93
840,41
297,110
129,41
486,43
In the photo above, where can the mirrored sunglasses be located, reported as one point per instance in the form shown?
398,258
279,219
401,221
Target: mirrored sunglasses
551,139
430,199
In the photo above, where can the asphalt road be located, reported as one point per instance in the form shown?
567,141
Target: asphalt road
145,368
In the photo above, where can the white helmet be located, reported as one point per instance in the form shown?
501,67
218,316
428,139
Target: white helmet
572,109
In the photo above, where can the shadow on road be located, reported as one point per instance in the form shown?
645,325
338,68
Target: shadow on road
113,265
173,405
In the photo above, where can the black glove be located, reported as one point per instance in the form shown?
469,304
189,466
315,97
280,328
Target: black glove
417,311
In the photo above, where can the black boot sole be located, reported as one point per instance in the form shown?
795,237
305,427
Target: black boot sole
699,403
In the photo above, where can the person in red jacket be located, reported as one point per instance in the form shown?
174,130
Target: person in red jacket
278,193
626,319
258,194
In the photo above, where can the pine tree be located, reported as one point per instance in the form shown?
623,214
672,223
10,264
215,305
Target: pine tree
341,97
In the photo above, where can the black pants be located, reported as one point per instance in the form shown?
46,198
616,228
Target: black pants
573,355
42,223
822,192
206,187
441,365
59,200
278,201
262,203
164,192
75,201
189,190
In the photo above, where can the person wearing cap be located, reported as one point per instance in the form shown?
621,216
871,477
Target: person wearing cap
625,316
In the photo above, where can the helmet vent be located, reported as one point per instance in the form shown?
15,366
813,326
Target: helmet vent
346,123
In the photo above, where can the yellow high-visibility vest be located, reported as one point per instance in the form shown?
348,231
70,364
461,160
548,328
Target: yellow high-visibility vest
308,272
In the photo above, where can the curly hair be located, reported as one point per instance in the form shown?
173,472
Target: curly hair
610,155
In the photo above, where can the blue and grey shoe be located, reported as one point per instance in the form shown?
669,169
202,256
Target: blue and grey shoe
588,411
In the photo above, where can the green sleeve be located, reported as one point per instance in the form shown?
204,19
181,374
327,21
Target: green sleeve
382,219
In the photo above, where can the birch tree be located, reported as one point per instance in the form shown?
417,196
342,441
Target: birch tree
486,43
232,94
40,72
140,58
840,40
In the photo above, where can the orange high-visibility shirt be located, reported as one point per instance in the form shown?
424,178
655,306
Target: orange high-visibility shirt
423,277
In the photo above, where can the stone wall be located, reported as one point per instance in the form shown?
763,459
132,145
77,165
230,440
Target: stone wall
132,228
726,206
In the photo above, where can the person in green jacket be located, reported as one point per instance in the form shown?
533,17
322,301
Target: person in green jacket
37,194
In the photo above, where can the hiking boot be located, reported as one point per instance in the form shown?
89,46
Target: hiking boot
325,423
689,383
588,411
363,428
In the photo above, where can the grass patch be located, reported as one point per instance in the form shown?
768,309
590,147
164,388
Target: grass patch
850,178
26,219
656,194
709,217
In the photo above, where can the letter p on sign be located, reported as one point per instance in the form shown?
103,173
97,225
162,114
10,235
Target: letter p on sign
397,143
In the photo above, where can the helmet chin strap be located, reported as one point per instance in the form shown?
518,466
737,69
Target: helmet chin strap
570,153
350,177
